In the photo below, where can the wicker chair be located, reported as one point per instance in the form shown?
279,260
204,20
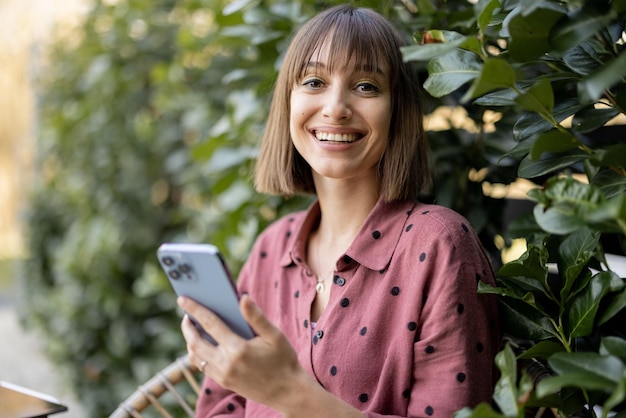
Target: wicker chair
178,382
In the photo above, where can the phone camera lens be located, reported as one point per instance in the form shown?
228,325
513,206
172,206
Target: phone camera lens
174,274
168,261
185,268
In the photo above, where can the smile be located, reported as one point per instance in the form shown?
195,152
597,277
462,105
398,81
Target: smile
341,138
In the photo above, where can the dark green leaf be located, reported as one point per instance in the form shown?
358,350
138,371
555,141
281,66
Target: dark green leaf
617,304
495,74
484,10
573,31
618,395
576,250
523,321
554,141
582,370
597,83
613,156
542,350
530,168
529,33
588,120
531,264
586,57
533,123
614,346
450,71
610,183
538,98
582,313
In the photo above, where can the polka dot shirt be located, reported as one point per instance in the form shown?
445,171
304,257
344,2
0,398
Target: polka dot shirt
405,333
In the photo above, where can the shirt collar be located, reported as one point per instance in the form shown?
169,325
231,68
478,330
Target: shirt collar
374,244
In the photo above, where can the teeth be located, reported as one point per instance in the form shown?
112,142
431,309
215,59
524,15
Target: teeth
325,136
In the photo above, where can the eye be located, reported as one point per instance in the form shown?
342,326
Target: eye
314,83
366,87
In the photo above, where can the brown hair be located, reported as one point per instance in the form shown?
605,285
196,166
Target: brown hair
367,37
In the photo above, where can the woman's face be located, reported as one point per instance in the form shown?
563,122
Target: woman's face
340,121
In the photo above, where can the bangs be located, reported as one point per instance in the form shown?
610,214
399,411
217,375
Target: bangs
352,38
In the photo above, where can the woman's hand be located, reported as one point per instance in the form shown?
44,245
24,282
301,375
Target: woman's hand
262,369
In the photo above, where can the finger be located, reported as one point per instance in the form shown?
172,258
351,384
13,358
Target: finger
208,320
255,317
194,342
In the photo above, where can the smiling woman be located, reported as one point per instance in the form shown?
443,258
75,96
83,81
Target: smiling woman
365,304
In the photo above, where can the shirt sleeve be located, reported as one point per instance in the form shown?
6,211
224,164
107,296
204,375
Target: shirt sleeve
457,336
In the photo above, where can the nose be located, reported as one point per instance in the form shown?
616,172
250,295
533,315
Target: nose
337,104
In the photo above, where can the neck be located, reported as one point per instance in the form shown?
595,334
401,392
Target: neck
344,207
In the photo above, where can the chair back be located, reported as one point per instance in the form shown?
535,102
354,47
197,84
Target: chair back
172,393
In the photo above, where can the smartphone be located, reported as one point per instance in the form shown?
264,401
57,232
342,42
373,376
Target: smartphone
198,271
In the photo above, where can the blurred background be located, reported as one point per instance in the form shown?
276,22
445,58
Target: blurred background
26,31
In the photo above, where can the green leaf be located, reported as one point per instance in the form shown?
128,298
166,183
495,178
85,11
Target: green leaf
523,321
576,250
601,80
616,305
530,168
618,395
566,204
505,393
450,71
582,313
581,370
588,120
554,141
495,74
542,350
573,31
613,156
530,264
610,183
446,42
532,123
530,33
609,216
585,58
614,346
538,98
484,10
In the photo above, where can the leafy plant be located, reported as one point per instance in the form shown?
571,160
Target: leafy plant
556,70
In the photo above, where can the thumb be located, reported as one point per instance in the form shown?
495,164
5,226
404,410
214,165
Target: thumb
255,317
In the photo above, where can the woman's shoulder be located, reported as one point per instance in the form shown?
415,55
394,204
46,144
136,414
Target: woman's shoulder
441,220
284,226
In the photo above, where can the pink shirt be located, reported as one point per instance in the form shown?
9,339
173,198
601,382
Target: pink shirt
405,333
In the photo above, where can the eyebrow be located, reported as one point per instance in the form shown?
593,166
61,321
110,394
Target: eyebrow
366,68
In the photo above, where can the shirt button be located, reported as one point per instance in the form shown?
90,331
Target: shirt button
339,281
319,334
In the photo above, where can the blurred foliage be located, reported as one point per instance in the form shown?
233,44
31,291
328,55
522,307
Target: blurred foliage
149,120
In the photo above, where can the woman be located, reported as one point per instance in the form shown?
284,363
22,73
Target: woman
366,303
